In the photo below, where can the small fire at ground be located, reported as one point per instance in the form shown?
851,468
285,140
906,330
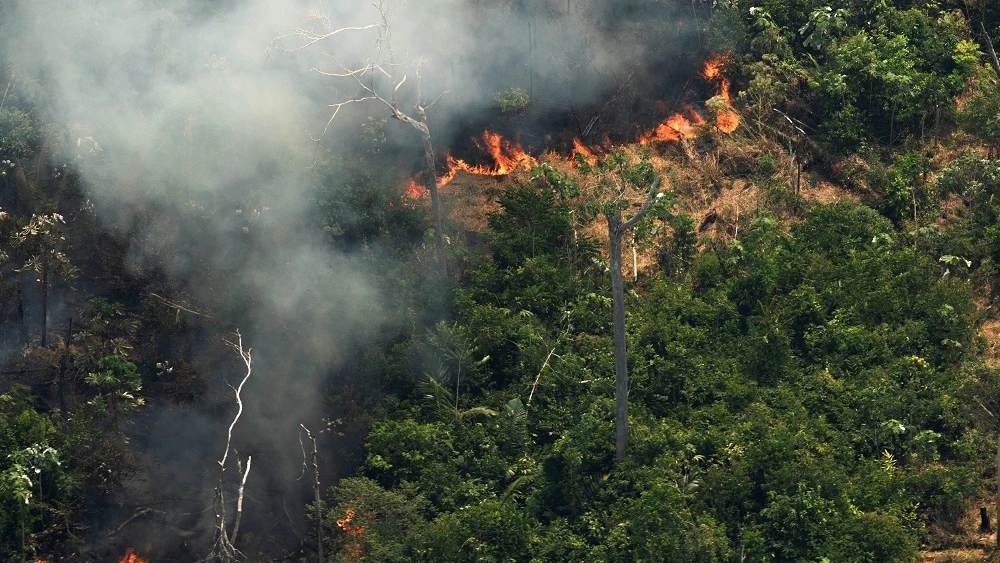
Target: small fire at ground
132,557
585,152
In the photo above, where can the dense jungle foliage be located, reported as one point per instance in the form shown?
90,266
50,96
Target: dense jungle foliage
813,377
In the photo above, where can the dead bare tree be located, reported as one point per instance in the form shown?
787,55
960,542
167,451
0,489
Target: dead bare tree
318,514
225,540
616,232
379,79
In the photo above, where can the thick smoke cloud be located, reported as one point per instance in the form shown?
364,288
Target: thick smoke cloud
194,137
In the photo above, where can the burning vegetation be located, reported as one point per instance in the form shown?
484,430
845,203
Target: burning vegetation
354,544
131,556
817,362
508,156
686,124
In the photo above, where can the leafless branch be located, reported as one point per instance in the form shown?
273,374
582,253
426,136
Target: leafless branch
3,101
551,354
988,411
239,500
380,79
136,514
178,307
645,206
545,364
225,548
310,38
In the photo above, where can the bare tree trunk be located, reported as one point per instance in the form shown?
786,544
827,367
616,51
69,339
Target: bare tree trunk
994,61
615,233
225,542
425,137
385,65
635,263
317,499
20,313
24,198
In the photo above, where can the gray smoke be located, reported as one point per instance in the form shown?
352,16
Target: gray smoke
196,139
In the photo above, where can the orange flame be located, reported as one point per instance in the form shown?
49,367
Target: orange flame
354,546
507,157
713,68
678,125
413,190
674,127
132,557
580,149
727,120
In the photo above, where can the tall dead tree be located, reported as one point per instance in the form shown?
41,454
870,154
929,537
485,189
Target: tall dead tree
616,232
379,80
994,61
224,549
317,494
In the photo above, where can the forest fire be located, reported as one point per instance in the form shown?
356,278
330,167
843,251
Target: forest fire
585,153
680,125
727,120
413,189
675,127
353,547
509,156
132,557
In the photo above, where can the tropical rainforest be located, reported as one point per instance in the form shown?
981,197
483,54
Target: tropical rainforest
512,280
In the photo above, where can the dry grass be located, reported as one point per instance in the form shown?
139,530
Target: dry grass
960,555
825,192
990,331
969,544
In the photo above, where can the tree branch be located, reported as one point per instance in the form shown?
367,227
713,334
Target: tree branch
645,207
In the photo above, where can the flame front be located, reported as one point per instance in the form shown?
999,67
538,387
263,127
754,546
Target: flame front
132,557
727,120
676,126
507,157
